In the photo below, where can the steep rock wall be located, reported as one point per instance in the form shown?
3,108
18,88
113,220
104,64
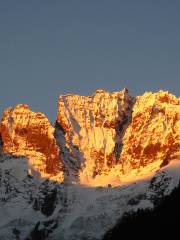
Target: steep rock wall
154,133
30,134
93,128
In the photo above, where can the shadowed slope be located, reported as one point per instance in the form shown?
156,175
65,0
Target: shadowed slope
162,219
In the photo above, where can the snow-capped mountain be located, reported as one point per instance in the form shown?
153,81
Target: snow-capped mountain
108,154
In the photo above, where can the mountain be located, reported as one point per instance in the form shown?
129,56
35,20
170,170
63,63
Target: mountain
107,156
30,134
93,128
161,220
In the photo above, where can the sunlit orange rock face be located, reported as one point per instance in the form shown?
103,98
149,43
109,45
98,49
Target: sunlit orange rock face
99,139
112,134
30,134
154,133
93,129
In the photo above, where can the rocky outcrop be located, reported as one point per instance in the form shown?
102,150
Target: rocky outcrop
30,134
97,138
93,128
102,141
154,133
99,134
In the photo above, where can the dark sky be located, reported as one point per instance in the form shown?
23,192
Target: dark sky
53,47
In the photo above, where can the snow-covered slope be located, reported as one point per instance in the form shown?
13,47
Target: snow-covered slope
24,200
106,156
31,207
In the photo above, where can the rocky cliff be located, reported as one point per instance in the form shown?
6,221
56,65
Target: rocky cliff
154,133
96,138
93,129
98,142
112,133
30,134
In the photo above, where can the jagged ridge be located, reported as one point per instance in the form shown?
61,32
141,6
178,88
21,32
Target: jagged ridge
96,136
30,134
108,139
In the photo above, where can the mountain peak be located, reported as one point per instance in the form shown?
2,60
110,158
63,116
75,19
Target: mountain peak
30,134
96,136
109,154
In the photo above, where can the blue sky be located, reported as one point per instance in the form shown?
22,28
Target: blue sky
48,48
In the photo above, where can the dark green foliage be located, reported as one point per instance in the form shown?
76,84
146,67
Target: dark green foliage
48,205
16,232
46,202
42,230
164,218
38,234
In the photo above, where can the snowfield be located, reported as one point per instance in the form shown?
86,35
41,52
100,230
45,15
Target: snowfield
30,205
